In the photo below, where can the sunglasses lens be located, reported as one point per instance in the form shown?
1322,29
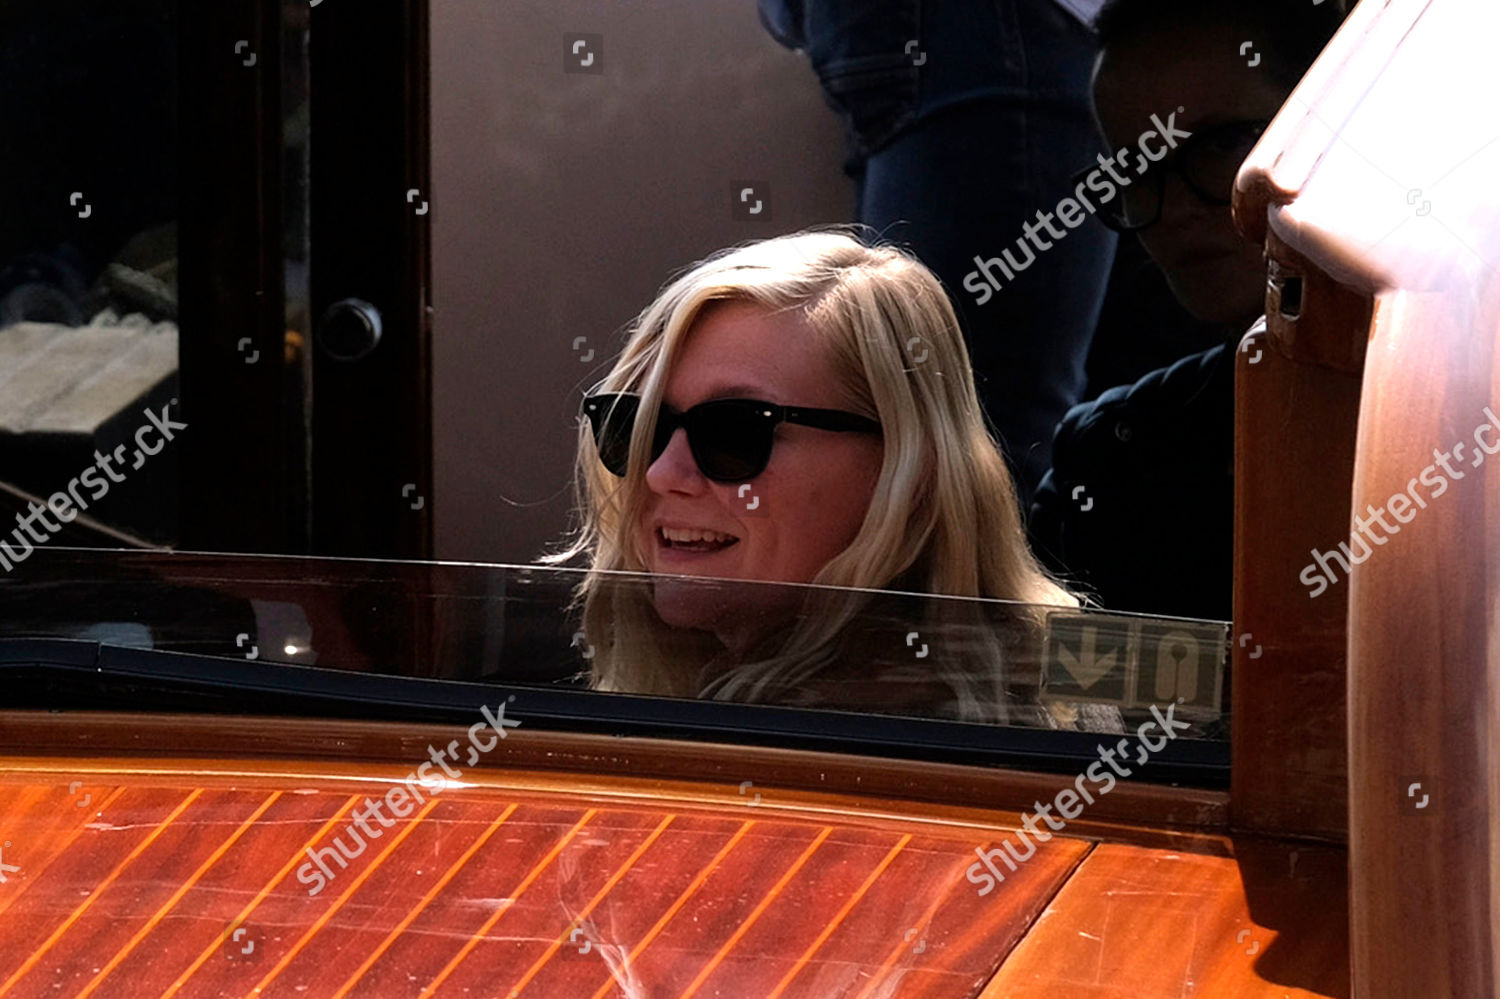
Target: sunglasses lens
732,440
613,420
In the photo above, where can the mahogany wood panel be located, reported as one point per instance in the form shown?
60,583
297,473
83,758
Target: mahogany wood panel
1423,722
1292,488
573,880
1159,815
1148,924
186,888
1424,649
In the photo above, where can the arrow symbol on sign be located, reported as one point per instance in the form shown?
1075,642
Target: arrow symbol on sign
1087,667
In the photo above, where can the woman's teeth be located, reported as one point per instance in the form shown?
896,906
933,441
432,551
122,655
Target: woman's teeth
696,538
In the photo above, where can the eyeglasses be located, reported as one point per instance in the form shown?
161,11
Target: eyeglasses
731,439
1207,162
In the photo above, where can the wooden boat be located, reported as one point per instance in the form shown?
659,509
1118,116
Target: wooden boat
172,832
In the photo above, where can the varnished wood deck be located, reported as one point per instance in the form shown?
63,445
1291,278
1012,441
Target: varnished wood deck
142,891
178,877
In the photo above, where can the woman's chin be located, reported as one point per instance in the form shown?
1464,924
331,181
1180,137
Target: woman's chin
688,603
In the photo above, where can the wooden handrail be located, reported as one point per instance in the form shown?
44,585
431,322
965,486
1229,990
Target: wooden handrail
1376,186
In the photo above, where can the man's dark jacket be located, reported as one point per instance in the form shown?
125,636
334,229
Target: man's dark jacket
1139,504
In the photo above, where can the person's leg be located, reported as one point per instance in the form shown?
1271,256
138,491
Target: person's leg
1004,124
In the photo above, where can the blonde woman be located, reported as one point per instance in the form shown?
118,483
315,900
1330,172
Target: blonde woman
802,410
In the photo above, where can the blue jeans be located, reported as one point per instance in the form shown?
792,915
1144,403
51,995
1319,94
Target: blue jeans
964,118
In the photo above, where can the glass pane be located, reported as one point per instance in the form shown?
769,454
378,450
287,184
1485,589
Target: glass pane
864,651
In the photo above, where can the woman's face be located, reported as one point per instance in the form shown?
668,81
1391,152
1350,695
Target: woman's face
808,504
1215,273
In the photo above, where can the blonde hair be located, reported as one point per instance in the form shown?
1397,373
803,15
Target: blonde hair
943,518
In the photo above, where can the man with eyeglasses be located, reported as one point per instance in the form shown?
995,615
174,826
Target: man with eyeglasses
1138,505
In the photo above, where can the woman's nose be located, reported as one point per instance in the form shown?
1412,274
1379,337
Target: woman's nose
675,469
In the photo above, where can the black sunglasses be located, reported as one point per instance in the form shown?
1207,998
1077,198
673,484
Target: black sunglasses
1207,162
731,439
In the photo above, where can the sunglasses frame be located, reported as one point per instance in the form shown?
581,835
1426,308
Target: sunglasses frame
597,407
1172,164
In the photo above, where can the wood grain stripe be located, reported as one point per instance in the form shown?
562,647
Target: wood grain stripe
756,913
895,954
182,890
349,893
838,917
260,896
677,905
66,845
77,914
593,902
422,904
489,923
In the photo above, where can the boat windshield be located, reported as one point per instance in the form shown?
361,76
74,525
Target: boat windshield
540,629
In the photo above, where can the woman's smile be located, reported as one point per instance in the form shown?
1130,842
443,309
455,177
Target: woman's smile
691,543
